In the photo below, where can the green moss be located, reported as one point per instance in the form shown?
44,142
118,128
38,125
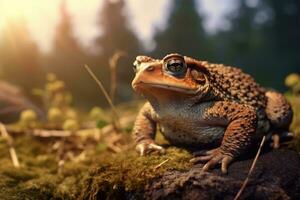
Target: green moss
129,173
101,172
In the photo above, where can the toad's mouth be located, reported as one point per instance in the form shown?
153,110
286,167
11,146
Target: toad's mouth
173,87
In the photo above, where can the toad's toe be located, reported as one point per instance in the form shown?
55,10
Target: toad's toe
214,159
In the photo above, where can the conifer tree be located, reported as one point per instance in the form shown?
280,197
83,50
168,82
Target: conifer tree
116,35
64,39
68,57
263,38
184,33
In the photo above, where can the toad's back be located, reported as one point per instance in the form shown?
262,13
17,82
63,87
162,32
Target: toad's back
230,83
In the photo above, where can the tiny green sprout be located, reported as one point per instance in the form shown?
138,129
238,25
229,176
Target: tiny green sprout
28,116
70,125
96,113
292,79
55,115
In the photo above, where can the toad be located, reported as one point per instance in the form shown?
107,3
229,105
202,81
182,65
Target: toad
213,107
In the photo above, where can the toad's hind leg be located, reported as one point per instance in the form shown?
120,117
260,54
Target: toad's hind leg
279,113
278,110
241,122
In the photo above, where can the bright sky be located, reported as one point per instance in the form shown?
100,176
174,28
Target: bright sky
43,15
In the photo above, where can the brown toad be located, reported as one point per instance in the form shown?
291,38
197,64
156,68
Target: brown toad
200,104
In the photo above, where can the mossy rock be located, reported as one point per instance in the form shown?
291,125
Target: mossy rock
129,174
110,174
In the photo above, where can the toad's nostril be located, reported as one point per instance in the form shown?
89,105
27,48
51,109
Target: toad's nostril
150,68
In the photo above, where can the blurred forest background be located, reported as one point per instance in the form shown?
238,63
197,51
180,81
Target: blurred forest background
260,36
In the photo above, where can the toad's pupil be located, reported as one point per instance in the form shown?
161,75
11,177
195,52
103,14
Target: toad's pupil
175,67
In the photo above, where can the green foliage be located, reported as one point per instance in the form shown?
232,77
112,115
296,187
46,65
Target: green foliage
101,123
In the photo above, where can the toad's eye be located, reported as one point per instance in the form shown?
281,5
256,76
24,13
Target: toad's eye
175,67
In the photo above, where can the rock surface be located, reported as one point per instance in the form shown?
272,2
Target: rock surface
276,176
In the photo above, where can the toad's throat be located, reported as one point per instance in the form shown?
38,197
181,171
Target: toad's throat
173,87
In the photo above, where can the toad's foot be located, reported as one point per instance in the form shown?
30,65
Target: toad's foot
212,158
276,141
280,138
147,147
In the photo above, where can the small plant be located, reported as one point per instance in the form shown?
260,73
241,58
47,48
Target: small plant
70,125
28,119
57,101
292,81
96,113
55,115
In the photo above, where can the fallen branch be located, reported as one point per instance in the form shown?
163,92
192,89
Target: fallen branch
9,141
50,133
108,129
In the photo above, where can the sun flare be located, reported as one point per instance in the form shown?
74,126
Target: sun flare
16,9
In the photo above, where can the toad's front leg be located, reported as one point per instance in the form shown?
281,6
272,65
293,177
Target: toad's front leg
241,123
144,131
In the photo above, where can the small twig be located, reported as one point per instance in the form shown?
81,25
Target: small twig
51,133
160,164
251,169
113,61
9,141
108,129
114,148
116,116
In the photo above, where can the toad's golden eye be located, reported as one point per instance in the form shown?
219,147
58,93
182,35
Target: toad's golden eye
175,67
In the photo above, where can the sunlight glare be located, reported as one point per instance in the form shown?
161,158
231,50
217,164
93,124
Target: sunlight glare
13,9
